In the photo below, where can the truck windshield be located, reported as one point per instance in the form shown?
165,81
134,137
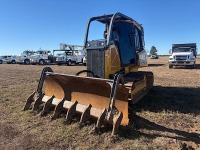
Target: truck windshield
39,52
59,54
28,53
69,53
182,50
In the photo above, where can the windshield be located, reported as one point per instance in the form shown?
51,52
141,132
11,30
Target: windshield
39,52
69,53
25,52
182,50
59,54
5,57
28,52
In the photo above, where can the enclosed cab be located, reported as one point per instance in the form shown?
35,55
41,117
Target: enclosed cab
119,49
183,55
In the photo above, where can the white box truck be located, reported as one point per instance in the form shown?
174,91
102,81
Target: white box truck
183,55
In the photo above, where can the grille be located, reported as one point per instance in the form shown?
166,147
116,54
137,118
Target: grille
95,61
181,57
59,59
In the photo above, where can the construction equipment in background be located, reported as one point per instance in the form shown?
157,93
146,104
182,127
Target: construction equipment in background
72,54
113,81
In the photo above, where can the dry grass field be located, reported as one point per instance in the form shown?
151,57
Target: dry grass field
168,117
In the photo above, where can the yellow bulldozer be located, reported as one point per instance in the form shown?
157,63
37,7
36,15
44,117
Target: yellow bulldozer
112,82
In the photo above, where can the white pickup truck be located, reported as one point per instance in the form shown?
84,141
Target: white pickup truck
9,59
183,55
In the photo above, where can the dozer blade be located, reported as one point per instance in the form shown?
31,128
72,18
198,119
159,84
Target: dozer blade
106,100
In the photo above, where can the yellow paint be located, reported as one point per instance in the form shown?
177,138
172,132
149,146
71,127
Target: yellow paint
139,86
113,63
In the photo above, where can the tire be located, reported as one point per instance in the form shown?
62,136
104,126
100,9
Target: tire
170,66
69,63
41,62
1,62
13,62
27,62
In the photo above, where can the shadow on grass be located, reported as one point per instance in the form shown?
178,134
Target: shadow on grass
176,99
197,66
132,132
156,65
142,123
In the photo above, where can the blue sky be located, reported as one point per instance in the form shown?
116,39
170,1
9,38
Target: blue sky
26,24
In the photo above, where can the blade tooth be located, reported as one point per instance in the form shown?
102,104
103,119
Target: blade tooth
47,106
29,101
58,109
71,111
100,121
37,102
85,115
116,123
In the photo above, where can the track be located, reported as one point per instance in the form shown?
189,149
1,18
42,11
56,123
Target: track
138,84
